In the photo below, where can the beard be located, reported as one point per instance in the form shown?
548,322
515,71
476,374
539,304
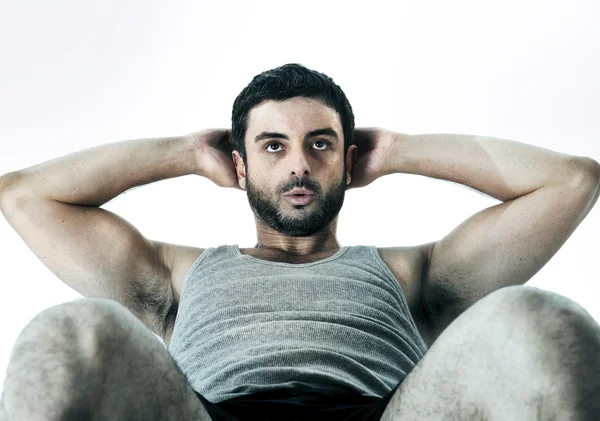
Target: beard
296,220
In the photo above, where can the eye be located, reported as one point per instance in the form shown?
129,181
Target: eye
317,141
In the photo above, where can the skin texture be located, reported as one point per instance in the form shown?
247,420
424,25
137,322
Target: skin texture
519,353
276,166
93,359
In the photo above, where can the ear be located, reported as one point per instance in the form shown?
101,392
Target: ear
240,169
350,158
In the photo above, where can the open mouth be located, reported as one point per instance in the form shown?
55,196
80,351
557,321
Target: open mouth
300,199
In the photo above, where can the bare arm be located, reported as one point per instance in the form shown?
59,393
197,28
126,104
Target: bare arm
545,194
94,176
55,208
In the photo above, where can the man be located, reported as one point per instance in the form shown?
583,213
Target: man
299,327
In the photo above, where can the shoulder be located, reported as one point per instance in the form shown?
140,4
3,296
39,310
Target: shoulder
409,264
178,259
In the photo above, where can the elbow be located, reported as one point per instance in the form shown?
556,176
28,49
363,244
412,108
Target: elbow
588,180
587,172
8,182
595,169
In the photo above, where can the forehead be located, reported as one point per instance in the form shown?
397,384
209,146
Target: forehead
292,115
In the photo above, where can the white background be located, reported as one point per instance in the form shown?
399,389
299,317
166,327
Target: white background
80,74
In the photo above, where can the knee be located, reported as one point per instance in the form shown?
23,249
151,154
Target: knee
82,325
555,322
540,308
565,341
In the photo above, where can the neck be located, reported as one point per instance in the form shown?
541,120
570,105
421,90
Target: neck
301,251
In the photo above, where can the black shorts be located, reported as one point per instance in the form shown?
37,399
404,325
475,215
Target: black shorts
299,404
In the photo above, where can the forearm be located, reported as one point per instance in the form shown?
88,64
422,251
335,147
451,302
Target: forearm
503,169
96,175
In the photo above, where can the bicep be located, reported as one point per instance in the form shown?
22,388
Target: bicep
503,245
95,252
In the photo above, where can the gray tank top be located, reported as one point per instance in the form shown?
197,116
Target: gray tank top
246,325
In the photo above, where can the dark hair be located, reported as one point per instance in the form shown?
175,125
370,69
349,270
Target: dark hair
285,82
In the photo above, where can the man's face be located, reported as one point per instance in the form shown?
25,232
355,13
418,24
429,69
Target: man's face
277,165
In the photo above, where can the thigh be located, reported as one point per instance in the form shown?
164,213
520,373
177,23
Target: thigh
122,371
482,357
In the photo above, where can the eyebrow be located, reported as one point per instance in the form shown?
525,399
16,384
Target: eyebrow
328,131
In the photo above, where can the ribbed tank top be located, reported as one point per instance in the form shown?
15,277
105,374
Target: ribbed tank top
246,325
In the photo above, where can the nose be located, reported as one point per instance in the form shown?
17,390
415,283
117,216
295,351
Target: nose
299,163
